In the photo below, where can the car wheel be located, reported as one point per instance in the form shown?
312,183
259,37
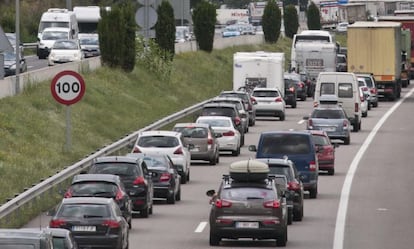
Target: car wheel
282,116
355,127
178,195
242,140
188,175
293,105
144,213
183,179
375,104
298,214
347,140
282,238
331,172
313,193
214,239
150,209
213,160
303,98
217,157
290,216
130,223
171,199
369,105
365,114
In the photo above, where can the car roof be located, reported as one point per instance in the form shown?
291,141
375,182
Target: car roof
87,200
191,125
215,117
227,98
225,105
96,177
55,29
318,132
59,232
124,159
280,161
265,89
301,132
21,233
234,91
160,133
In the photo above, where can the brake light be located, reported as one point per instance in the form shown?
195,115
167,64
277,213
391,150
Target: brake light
278,99
373,90
293,186
119,195
271,222
345,124
228,134
209,139
136,150
362,98
271,204
237,121
68,193
301,85
292,89
165,177
140,180
310,124
364,88
111,223
179,151
253,102
222,203
356,107
57,223
312,166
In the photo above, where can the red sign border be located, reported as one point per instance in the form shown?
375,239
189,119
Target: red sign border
56,79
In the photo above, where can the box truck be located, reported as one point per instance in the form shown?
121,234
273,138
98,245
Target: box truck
375,47
258,69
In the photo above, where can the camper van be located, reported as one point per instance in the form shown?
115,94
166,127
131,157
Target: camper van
343,87
88,18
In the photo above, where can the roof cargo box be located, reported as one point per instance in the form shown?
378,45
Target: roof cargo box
249,170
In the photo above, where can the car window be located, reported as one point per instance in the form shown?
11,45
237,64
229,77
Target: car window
280,170
83,210
158,141
216,122
155,162
59,243
218,111
320,140
328,114
341,59
265,94
368,81
70,45
244,194
94,188
327,88
287,144
192,132
120,169
345,90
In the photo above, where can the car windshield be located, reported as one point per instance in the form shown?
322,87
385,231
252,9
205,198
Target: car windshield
9,56
328,114
245,193
368,81
192,132
320,140
265,94
158,141
94,188
276,169
70,45
286,144
54,35
218,111
114,168
216,122
89,41
243,96
83,210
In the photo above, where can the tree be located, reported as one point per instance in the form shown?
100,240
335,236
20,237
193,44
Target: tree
314,18
204,19
118,50
290,20
165,30
271,21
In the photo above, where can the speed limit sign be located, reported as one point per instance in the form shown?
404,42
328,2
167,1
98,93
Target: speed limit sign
68,87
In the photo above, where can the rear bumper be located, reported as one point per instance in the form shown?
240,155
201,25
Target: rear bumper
104,241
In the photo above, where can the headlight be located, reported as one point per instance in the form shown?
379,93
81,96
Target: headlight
13,67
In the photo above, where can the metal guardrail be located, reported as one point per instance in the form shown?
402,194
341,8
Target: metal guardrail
30,45
32,193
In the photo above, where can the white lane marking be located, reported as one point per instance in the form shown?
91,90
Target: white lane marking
201,227
301,121
346,188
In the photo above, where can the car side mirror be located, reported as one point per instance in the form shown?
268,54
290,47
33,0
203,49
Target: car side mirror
252,148
211,193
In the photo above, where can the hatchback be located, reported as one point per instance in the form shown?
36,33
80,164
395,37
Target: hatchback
269,102
296,81
326,151
244,114
166,179
94,222
25,239
370,83
229,139
65,51
206,146
171,143
102,185
134,175
247,100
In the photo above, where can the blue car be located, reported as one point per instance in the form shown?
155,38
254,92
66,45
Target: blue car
231,31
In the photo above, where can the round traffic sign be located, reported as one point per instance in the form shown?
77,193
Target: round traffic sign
146,17
68,87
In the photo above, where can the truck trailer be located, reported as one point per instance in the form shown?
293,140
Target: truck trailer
258,69
375,47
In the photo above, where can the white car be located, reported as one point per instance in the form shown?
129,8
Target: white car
270,102
229,137
342,27
364,101
65,51
168,142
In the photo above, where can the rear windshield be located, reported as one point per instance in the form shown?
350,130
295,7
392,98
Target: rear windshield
59,243
192,132
276,169
216,122
286,144
243,96
155,162
320,140
345,90
83,210
158,141
17,246
244,194
265,94
120,169
218,111
327,88
94,188
328,114
368,81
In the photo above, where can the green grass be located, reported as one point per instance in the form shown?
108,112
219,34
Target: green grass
33,124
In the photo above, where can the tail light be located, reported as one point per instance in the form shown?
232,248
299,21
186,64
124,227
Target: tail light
224,221
292,89
222,203
293,185
140,180
362,98
301,85
345,124
312,166
271,204
356,107
165,177
237,121
228,134
119,195
209,139
136,150
57,223
111,223
68,193
373,90
315,104
179,151
271,222
253,101
278,99
310,124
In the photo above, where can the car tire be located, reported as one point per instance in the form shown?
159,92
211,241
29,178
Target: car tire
178,195
214,239
171,199
298,214
375,104
130,223
218,157
236,152
303,98
355,127
347,140
369,105
313,192
282,238
293,105
331,172
213,160
242,140
183,179
290,216
144,213
282,116
150,209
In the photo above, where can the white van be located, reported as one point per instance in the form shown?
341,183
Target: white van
345,87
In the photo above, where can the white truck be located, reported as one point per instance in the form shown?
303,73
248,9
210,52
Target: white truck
55,17
232,16
314,57
258,69
329,13
87,18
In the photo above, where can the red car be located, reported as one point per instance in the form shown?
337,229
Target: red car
325,151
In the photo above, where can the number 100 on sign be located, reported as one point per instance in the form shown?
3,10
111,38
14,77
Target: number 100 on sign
68,87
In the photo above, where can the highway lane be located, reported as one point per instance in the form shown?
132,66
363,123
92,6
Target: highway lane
174,226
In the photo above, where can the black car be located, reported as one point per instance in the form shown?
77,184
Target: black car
247,100
26,239
248,205
295,186
94,222
290,93
166,179
134,175
228,110
102,185
296,81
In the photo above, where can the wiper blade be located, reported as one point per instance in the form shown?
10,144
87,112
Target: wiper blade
254,198
92,216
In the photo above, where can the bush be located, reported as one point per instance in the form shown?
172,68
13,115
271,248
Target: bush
291,21
165,30
314,18
271,22
204,18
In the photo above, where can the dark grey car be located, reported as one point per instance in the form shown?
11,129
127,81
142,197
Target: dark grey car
25,239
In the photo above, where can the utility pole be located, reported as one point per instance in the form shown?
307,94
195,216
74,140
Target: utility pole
17,47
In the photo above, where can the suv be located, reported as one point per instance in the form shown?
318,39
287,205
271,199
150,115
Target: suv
134,175
248,205
299,147
370,83
224,109
295,186
269,102
206,146
247,100
25,239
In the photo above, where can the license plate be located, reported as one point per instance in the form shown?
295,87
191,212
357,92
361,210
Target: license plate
314,62
328,128
84,228
247,224
195,150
